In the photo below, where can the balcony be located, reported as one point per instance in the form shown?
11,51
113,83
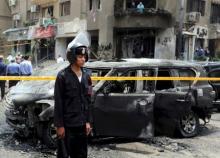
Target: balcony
144,12
43,2
129,7
128,14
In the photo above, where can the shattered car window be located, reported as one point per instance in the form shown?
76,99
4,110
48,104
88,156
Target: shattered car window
185,73
162,84
148,85
122,86
98,73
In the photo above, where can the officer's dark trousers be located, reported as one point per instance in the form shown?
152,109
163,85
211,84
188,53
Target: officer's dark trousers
13,82
76,143
2,86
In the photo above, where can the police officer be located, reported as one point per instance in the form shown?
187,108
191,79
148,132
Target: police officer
72,98
2,73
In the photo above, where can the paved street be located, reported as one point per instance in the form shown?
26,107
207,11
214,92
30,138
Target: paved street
207,144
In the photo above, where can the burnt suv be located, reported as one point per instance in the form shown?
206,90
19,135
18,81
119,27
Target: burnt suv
213,70
122,108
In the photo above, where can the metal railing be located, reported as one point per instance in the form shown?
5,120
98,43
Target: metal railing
138,12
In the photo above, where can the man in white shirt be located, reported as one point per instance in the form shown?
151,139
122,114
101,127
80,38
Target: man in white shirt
60,59
140,7
26,67
10,57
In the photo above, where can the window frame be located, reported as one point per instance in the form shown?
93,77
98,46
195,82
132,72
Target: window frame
214,18
199,4
65,8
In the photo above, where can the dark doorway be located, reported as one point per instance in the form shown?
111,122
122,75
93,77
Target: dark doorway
135,43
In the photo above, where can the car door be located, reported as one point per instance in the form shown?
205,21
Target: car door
124,112
170,103
215,84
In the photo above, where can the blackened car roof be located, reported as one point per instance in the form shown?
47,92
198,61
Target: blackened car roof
140,62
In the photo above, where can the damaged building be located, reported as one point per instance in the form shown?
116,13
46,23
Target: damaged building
201,27
5,22
118,28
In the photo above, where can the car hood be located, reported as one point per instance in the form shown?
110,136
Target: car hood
26,92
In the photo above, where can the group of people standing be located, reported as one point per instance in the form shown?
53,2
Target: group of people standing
18,66
200,52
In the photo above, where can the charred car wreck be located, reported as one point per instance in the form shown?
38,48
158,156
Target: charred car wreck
135,109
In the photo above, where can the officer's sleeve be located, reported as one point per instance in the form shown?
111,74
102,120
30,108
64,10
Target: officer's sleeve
88,97
59,101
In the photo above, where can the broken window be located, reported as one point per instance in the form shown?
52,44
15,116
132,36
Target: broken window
215,13
98,73
65,8
136,43
148,85
185,73
47,12
196,6
99,4
161,84
123,86
94,4
90,4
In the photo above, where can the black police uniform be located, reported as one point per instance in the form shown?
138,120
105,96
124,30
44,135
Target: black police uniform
2,83
72,99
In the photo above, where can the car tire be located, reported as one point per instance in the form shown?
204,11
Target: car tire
49,134
188,125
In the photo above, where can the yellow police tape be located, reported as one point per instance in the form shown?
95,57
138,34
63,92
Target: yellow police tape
44,78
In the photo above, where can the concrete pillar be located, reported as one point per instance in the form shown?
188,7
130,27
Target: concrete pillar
60,47
165,45
190,44
106,23
106,31
206,43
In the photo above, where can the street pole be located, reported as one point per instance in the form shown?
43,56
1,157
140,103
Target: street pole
180,28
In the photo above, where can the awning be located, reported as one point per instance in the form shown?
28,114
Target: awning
14,30
66,35
42,32
16,34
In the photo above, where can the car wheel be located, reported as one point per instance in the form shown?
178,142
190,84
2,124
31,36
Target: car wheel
188,125
49,134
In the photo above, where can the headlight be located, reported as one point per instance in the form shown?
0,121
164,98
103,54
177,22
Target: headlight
8,103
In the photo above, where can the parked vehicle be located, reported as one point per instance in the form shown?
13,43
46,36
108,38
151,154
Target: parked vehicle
213,70
134,109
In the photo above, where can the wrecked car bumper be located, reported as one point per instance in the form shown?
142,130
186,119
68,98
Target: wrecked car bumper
15,120
216,104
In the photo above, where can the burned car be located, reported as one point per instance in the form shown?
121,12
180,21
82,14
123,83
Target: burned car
213,70
120,108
